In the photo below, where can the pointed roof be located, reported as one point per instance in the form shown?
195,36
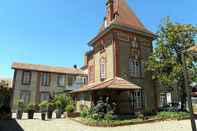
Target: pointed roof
125,16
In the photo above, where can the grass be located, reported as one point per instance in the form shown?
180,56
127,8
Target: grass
139,120
172,115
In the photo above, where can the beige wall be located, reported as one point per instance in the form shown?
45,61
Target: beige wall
108,55
19,87
35,87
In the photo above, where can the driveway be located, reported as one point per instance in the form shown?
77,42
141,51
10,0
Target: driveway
69,125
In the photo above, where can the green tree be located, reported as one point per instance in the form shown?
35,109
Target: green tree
165,62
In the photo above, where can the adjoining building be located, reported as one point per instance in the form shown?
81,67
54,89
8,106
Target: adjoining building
116,63
6,82
34,83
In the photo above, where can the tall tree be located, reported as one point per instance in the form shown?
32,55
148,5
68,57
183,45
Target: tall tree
165,63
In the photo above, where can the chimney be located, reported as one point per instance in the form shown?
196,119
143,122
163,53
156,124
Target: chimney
75,66
110,10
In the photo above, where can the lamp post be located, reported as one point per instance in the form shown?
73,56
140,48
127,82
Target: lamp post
187,87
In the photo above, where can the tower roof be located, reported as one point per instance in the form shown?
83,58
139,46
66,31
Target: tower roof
125,16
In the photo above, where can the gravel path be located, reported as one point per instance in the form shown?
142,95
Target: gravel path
68,125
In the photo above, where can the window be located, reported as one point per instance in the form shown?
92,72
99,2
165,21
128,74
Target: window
26,78
44,96
25,96
45,79
91,73
71,80
163,99
60,80
134,67
102,69
137,99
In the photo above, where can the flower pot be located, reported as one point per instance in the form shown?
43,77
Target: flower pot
30,114
19,115
73,114
43,115
58,114
49,114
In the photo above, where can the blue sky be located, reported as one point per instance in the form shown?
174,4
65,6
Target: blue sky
56,32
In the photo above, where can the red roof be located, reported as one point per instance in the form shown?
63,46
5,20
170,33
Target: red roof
126,17
46,68
116,83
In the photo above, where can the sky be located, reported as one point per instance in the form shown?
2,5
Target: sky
56,32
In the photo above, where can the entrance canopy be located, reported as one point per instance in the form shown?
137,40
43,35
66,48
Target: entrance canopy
116,83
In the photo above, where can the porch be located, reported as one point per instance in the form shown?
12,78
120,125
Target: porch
128,97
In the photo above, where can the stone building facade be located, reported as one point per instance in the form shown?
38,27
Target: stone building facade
35,83
115,65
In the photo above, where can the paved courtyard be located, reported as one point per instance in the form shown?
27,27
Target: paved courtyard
69,125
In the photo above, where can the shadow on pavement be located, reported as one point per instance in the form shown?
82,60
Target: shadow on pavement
10,125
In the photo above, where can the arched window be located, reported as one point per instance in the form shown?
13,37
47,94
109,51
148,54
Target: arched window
102,68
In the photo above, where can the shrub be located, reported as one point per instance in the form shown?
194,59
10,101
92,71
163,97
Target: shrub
21,105
43,106
60,99
109,116
85,112
69,108
69,100
104,108
58,104
30,107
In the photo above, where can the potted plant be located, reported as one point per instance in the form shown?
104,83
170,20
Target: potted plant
58,111
30,111
43,109
69,110
20,109
50,110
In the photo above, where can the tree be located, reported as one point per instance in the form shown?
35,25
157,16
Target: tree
165,63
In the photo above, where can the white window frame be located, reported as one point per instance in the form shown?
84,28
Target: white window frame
26,78
45,79
102,68
134,67
61,80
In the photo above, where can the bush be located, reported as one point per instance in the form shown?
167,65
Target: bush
60,102
104,109
69,108
30,107
21,105
109,116
84,112
43,106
